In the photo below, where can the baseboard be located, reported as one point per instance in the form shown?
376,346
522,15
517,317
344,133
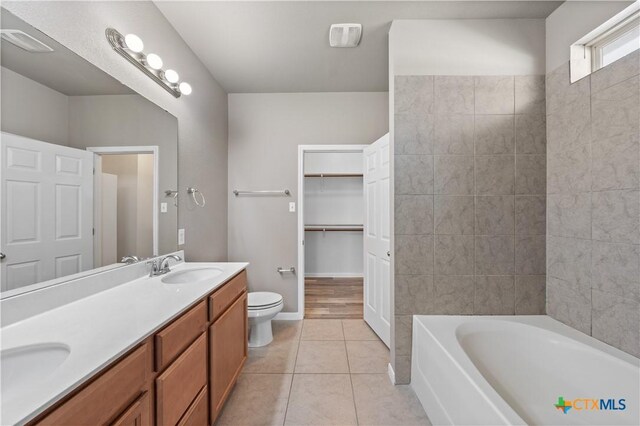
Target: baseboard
288,316
391,373
334,275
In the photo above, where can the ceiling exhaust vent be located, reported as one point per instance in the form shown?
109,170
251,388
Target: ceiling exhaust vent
345,35
24,41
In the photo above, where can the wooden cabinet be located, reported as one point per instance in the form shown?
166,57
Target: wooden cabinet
181,375
137,414
228,351
179,384
104,399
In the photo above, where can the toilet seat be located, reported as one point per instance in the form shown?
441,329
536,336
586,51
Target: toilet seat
263,300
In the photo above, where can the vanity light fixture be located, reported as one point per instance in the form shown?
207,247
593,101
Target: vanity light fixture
131,48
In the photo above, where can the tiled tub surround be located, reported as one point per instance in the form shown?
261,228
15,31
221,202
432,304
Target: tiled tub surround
470,185
593,245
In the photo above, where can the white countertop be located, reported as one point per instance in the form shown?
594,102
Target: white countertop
98,329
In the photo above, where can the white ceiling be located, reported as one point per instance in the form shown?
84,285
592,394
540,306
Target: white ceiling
61,70
282,46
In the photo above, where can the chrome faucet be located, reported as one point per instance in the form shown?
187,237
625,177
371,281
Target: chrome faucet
161,267
130,259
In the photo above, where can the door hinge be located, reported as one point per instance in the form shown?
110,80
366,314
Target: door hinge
93,231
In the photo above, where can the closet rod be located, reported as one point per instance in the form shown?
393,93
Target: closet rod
333,175
324,228
268,192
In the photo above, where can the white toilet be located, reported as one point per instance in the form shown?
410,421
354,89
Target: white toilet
263,306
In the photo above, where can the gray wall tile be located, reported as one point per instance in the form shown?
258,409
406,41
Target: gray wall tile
569,260
530,94
413,174
494,255
616,269
570,130
494,295
403,337
616,72
494,134
414,254
616,139
453,295
454,174
531,214
495,174
569,215
413,214
454,134
562,96
530,294
531,134
454,94
616,216
615,321
495,215
454,214
569,171
413,294
413,93
531,255
454,254
494,95
569,304
414,133
531,174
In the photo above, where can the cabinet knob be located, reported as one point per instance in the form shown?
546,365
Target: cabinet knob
388,254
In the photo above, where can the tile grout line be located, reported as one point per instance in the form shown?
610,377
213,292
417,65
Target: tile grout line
353,394
293,373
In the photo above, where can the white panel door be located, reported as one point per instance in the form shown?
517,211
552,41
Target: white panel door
377,242
46,211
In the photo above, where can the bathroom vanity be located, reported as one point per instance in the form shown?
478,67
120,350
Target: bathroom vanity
156,350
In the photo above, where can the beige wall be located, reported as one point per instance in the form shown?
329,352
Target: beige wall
114,120
202,116
32,110
264,133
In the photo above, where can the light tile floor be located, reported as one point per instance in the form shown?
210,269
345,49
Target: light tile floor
320,372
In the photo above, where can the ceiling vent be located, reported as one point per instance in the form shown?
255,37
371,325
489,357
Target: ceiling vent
345,35
24,41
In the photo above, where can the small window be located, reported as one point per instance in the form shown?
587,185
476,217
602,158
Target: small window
613,45
606,44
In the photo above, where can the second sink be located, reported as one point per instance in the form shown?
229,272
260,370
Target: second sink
191,275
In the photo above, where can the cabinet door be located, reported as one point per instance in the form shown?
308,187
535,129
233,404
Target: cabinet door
137,414
228,351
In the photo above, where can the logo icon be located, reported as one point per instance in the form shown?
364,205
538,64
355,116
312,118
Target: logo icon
563,405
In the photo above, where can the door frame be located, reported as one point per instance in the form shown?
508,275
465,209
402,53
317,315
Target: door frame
302,149
115,150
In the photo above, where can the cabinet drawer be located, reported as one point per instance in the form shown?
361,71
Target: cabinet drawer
198,413
137,414
225,295
175,338
106,397
180,383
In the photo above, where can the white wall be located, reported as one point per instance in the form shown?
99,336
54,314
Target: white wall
202,116
467,47
33,110
572,21
264,133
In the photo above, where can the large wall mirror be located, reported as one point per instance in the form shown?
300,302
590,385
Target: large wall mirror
84,166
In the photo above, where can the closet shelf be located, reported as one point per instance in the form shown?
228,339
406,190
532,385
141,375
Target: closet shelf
333,175
333,228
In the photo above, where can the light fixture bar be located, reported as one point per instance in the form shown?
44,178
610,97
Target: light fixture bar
116,40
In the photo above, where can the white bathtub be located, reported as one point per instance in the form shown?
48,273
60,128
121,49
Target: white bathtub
497,370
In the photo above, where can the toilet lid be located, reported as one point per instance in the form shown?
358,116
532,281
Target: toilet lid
263,299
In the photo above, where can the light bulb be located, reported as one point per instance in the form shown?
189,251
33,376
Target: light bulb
154,61
185,88
171,76
134,43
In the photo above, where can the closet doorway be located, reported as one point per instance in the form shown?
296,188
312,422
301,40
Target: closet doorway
339,209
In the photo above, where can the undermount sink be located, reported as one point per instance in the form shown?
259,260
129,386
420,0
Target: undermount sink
25,366
191,275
